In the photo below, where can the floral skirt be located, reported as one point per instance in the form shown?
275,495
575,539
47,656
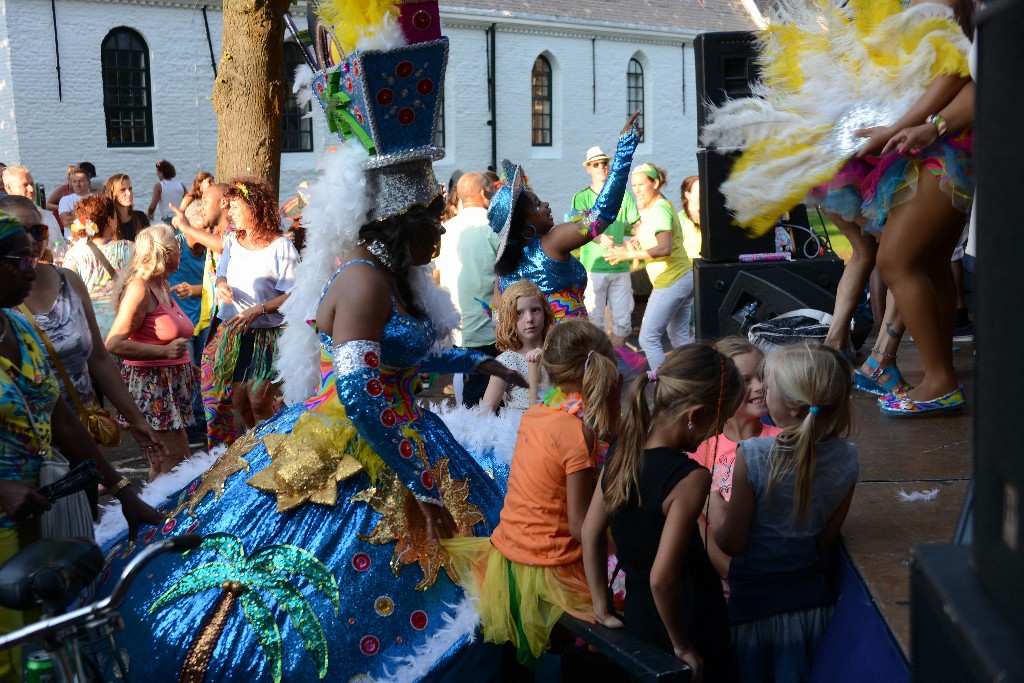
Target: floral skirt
163,394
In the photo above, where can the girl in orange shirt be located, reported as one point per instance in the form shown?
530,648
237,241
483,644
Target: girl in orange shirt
530,571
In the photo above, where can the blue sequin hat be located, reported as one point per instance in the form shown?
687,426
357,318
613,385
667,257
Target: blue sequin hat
503,202
388,96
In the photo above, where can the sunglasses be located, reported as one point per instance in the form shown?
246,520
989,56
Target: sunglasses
595,164
24,263
39,231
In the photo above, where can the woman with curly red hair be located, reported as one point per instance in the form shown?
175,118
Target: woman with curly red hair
98,254
254,277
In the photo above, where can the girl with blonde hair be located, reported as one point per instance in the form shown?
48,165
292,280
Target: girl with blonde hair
151,334
524,319
530,571
790,495
718,453
651,494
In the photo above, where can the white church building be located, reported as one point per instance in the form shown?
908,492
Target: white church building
126,83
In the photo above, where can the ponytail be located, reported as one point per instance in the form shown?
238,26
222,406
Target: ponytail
816,378
622,472
578,353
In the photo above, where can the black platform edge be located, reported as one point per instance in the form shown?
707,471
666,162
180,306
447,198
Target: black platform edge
643,661
957,632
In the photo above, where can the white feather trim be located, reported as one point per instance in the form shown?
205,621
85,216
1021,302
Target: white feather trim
386,36
112,523
459,623
337,208
437,304
303,87
480,431
915,496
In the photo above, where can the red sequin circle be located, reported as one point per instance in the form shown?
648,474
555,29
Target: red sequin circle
405,449
355,68
359,115
192,527
149,535
193,487
428,479
422,20
406,116
371,360
385,97
360,562
369,645
404,69
348,84
418,619
425,86
374,387
387,417
169,525
106,576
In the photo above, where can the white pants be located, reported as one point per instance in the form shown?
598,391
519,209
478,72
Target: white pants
668,310
612,290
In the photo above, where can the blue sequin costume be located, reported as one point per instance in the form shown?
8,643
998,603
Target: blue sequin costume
563,282
325,590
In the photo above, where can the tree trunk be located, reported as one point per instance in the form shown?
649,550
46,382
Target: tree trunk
193,669
248,94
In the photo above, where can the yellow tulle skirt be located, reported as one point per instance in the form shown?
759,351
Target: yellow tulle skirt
518,603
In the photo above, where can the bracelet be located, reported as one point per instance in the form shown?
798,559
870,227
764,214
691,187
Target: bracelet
939,123
264,309
120,486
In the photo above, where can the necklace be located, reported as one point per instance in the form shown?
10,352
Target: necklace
381,252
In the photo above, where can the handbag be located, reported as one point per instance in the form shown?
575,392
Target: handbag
101,258
70,516
103,428
804,323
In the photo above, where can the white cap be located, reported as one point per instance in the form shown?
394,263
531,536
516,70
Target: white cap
595,154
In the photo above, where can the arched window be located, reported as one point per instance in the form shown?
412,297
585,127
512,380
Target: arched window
635,91
296,128
127,106
540,82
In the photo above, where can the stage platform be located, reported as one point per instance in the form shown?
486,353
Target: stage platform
911,455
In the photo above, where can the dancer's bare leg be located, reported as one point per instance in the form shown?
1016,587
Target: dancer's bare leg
913,259
851,285
890,334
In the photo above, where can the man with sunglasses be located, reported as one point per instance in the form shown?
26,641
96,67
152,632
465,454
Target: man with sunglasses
607,285
18,182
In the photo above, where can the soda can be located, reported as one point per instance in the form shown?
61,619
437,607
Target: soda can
39,668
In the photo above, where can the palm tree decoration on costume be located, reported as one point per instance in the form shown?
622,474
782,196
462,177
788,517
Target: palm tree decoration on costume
240,580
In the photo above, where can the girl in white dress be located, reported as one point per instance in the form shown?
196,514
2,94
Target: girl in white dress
524,318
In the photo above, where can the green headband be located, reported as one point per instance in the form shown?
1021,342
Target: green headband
648,171
9,225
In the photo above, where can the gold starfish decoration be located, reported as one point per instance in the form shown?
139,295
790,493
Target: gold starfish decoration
307,464
402,522
214,478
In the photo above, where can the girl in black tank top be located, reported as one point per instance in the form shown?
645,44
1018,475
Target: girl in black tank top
651,494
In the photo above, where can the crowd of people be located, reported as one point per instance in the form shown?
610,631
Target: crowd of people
717,479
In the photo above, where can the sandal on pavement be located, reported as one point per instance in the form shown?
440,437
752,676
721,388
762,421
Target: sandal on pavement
895,385
902,406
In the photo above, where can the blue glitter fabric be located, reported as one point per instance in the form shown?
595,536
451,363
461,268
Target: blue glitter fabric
559,280
322,591
608,202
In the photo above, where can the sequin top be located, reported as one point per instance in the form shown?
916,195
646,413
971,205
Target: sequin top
68,329
563,282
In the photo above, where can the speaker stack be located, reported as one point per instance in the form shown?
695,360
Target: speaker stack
731,294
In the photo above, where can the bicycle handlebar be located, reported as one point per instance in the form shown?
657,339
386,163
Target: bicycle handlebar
100,608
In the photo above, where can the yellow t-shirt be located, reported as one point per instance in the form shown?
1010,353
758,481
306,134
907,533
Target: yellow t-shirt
661,217
691,236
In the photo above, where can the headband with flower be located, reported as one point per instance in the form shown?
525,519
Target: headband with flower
245,190
87,226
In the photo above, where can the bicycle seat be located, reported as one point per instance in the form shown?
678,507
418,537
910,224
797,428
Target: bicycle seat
49,572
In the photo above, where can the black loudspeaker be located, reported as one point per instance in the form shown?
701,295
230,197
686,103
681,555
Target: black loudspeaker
732,296
721,239
998,555
726,68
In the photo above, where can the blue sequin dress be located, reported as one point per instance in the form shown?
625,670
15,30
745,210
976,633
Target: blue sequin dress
319,564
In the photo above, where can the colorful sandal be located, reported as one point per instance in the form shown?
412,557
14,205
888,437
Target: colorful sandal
901,406
895,386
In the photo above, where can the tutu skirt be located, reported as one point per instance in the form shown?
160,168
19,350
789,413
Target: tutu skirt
518,603
894,179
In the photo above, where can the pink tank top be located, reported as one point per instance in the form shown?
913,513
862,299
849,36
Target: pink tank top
162,326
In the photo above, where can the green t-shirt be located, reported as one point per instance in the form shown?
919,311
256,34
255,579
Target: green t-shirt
592,253
660,217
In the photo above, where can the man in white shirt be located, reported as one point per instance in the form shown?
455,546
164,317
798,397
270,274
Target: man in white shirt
466,265
18,181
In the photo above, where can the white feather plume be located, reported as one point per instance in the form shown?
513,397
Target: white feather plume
460,623
437,304
337,208
303,87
